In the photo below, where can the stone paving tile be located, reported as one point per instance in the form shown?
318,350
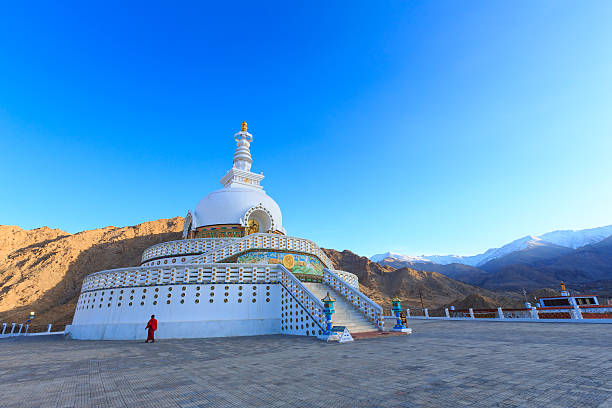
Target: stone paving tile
442,364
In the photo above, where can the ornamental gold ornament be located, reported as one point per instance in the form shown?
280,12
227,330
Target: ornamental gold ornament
288,261
253,226
244,127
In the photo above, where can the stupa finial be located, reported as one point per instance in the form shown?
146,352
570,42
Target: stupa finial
242,156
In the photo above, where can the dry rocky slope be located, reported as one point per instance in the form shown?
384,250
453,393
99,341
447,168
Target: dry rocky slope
382,282
43,269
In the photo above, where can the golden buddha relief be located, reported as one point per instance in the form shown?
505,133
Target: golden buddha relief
253,226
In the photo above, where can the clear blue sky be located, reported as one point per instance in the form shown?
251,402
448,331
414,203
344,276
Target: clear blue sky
418,127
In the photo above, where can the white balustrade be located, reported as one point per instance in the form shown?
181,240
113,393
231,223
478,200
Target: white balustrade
263,241
188,274
371,310
312,304
184,247
349,278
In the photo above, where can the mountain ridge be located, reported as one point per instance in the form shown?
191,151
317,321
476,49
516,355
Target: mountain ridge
573,239
43,269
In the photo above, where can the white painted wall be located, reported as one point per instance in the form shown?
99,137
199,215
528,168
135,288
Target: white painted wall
102,315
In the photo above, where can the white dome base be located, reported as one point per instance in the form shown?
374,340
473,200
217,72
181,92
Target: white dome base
230,205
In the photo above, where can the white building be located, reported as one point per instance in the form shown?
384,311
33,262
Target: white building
234,273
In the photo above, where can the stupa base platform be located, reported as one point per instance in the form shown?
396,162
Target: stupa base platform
176,330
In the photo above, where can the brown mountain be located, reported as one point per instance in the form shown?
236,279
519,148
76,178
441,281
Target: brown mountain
586,269
463,273
539,253
382,282
42,269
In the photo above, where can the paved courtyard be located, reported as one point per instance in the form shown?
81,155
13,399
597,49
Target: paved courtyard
442,364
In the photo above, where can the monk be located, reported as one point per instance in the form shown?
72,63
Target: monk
151,327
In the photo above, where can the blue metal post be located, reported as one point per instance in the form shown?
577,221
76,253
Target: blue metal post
397,309
328,309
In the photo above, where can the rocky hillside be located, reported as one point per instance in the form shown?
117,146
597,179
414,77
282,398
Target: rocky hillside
587,269
42,269
382,282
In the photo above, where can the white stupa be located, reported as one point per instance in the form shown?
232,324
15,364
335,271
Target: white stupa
234,273
240,201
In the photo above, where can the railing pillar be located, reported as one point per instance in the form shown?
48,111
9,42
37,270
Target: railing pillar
13,327
49,329
20,327
447,313
397,310
26,329
426,313
577,314
407,313
3,327
500,313
328,309
472,313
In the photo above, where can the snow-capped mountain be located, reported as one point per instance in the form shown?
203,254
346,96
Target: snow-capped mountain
399,257
564,238
576,239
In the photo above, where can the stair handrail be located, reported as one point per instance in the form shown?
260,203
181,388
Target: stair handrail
318,303
336,282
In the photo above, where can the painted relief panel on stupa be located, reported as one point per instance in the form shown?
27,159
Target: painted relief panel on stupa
298,264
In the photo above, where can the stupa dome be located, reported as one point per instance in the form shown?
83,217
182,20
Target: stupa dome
241,205
238,205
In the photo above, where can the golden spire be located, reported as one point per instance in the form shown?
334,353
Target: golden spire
244,127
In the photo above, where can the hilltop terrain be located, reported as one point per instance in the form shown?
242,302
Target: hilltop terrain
42,269
582,259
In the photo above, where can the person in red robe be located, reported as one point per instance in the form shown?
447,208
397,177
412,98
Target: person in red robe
151,327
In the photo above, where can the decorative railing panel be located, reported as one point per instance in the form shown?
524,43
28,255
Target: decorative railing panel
371,310
303,299
263,241
595,311
349,278
188,274
184,246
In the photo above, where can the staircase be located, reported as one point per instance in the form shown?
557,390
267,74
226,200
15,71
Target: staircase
346,314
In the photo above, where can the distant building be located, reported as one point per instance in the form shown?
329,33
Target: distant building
234,273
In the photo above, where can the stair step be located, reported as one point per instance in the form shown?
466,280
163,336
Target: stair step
346,314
